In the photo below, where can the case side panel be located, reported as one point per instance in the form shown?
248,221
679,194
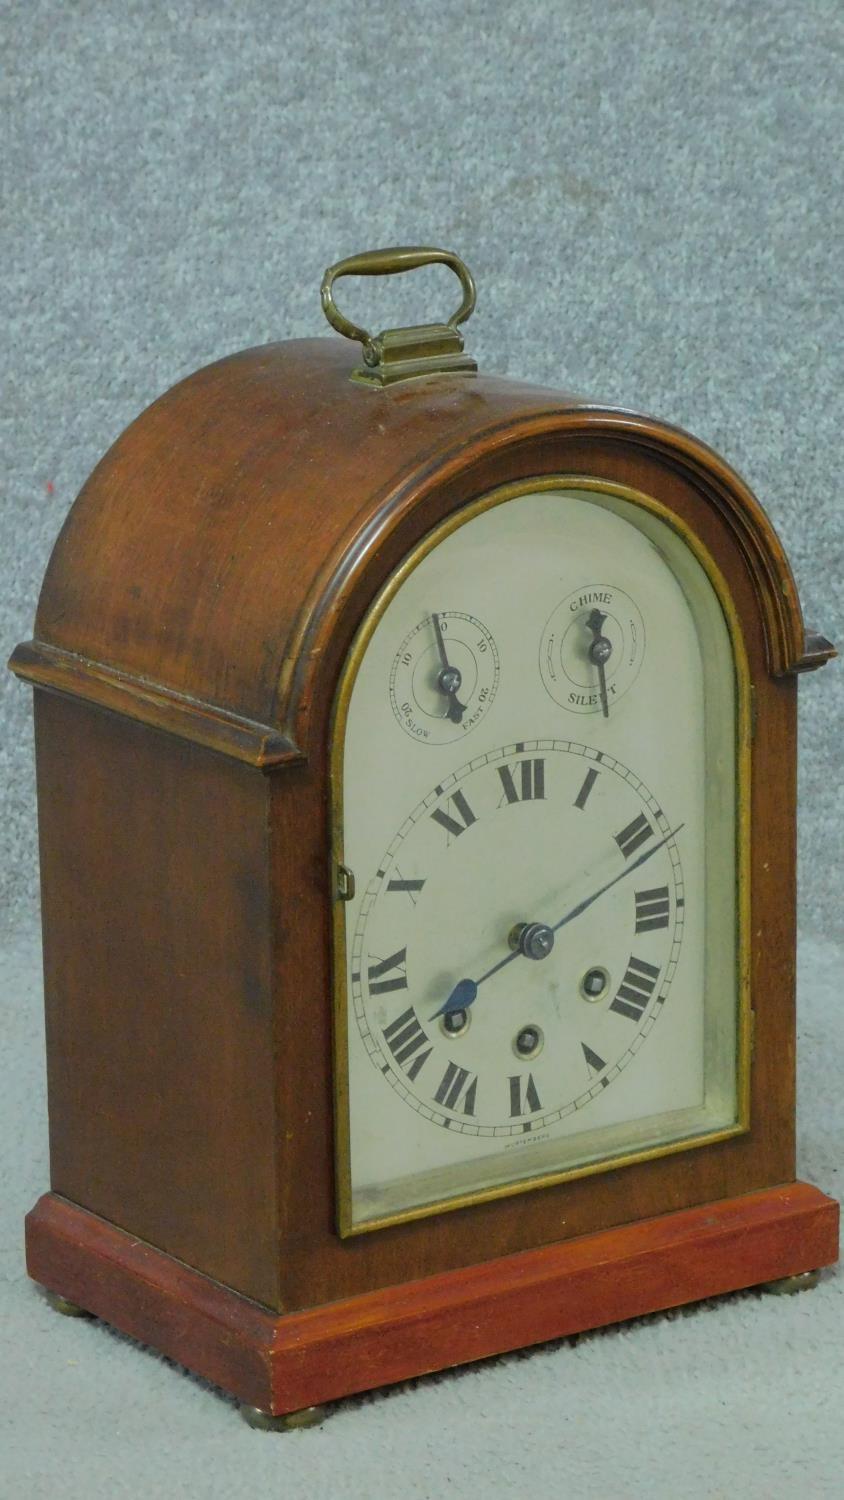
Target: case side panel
158,989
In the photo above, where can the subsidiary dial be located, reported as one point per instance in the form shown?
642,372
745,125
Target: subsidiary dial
444,677
592,649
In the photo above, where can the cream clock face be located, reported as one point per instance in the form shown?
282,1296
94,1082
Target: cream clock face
537,973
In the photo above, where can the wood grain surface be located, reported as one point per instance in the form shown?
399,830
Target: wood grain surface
194,621
284,1363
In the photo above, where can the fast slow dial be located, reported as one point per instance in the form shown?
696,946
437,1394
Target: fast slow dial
444,677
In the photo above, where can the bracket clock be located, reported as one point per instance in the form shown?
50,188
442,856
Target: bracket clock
416,785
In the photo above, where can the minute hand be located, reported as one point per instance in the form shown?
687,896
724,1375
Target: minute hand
465,992
582,905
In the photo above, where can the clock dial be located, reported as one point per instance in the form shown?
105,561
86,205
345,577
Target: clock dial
537,973
444,677
592,648
567,968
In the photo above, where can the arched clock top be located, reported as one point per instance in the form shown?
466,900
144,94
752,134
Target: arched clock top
214,568
525,446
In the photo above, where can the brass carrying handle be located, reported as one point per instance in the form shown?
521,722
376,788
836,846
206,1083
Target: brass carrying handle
390,262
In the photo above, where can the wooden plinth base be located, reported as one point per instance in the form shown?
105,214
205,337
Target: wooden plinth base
284,1362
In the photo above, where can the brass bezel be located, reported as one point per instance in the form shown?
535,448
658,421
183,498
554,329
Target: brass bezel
458,518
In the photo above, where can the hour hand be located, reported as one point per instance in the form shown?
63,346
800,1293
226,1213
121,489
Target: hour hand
463,995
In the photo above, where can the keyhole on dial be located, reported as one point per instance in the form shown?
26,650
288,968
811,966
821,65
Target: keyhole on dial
594,984
529,1041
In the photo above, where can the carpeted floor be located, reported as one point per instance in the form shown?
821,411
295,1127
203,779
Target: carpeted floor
650,195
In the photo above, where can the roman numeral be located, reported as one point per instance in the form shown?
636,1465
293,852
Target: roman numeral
397,981
453,1084
404,1037
523,1096
531,786
588,782
653,909
450,824
411,888
634,835
595,1063
635,990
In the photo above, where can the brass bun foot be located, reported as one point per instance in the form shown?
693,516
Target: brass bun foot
62,1305
309,1416
802,1282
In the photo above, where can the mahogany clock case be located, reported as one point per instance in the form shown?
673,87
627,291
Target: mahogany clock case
194,621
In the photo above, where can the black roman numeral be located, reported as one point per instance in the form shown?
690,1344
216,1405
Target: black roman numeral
404,1037
394,981
450,824
634,835
523,1096
454,1083
411,888
531,786
635,990
653,909
588,782
595,1063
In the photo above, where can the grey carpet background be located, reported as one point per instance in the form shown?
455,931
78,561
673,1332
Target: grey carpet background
650,196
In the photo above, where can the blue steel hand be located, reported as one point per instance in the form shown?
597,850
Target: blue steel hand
465,992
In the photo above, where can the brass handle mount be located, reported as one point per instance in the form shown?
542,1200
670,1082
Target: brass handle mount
403,353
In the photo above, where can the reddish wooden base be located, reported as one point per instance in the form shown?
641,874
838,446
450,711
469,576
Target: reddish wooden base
284,1362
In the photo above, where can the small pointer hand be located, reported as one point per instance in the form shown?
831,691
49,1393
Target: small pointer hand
448,678
465,992
600,652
